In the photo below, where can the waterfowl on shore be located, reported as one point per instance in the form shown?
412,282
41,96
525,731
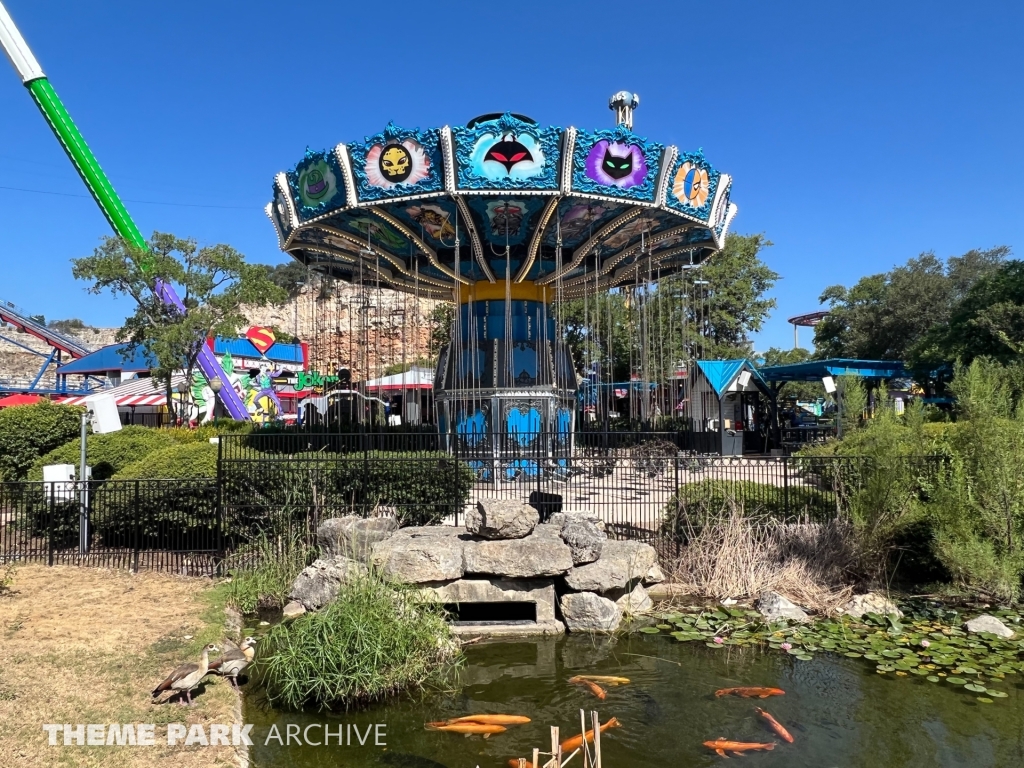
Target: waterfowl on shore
186,677
234,660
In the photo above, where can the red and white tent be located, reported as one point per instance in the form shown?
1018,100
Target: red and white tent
145,391
417,378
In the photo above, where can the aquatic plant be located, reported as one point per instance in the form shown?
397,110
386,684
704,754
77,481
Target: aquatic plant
272,565
928,643
376,640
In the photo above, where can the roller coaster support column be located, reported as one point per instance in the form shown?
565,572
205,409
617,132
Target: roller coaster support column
99,186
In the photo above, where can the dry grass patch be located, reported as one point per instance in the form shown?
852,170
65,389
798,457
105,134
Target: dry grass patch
733,556
83,645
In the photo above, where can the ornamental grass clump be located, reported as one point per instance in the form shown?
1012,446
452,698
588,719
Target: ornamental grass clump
375,641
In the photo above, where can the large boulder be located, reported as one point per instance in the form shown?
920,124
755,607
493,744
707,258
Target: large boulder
654,576
587,612
776,608
637,601
421,554
621,565
502,519
872,602
318,584
353,536
585,540
986,623
527,558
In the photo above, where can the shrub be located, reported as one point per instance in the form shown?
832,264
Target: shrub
695,505
107,454
419,488
373,642
29,431
179,515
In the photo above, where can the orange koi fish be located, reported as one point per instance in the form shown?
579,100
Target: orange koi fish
590,685
775,725
514,763
750,693
577,741
606,679
490,719
721,746
468,729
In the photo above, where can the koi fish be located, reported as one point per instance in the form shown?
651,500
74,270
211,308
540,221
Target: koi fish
750,693
469,729
721,746
490,719
775,725
606,679
577,741
514,763
591,686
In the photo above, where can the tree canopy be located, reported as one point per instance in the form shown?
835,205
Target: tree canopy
884,316
213,283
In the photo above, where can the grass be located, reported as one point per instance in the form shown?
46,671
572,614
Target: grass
376,640
84,645
266,583
733,555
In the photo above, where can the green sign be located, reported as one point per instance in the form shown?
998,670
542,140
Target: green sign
312,380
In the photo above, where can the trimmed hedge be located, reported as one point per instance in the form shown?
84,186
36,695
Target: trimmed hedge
107,454
184,461
29,431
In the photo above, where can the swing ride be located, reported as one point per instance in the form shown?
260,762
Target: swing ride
508,220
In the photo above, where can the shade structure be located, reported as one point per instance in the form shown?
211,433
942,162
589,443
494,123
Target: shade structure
137,392
21,399
414,379
508,219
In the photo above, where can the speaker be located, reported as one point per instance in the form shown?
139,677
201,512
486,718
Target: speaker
103,413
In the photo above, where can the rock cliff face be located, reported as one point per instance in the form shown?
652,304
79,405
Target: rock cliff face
19,365
348,327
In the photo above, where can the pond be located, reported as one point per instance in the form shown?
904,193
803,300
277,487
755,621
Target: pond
840,711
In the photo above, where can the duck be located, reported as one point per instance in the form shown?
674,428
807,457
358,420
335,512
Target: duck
187,676
234,660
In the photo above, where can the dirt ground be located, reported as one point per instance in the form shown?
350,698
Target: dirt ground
86,645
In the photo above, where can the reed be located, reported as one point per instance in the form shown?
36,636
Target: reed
376,640
272,564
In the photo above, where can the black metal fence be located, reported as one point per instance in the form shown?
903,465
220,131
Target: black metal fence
282,486
173,525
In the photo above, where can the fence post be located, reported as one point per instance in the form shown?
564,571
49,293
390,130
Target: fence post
137,531
49,526
785,485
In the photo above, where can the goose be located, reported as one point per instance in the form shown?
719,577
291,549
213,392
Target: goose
186,677
235,660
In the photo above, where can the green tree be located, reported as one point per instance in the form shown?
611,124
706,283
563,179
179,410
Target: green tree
987,321
801,390
290,276
441,322
213,282
883,316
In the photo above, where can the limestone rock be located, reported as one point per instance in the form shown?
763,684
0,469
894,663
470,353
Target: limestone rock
318,584
293,610
774,607
986,623
502,519
637,601
353,536
585,540
622,563
526,558
872,602
540,592
587,612
420,554
654,576
559,519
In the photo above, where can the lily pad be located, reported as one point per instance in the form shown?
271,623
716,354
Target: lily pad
933,679
996,694
983,699
956,680
652,630
975,687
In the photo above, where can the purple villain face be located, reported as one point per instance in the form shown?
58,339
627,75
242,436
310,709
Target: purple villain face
615,164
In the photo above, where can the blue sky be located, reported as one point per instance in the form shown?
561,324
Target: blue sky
858,134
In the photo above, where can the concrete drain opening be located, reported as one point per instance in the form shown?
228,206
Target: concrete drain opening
490,614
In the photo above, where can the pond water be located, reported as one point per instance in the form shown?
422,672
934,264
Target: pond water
840,711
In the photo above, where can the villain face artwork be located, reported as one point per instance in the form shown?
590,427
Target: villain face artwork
389,165
505,218
498,156
433,219
616,164
509,152
317,183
